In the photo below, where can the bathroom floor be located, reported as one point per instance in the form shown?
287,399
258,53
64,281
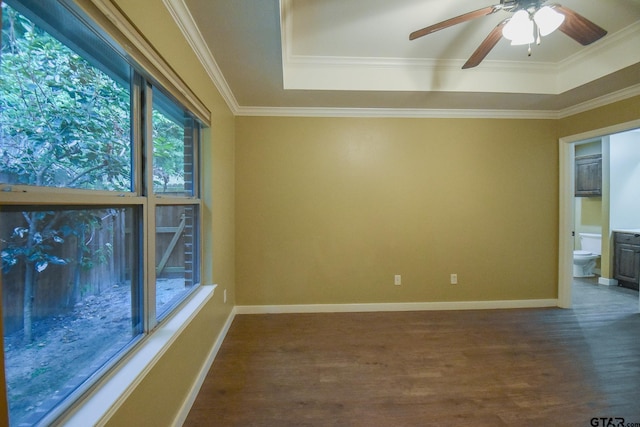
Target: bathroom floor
587,295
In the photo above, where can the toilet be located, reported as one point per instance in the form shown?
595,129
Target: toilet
584,261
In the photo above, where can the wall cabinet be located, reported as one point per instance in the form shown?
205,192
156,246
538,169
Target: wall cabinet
627,259
589,176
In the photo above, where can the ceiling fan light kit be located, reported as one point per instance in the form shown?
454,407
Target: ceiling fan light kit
519,29
548,20
531,19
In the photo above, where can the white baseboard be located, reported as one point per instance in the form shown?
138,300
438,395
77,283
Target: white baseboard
195,389
607,282
407,306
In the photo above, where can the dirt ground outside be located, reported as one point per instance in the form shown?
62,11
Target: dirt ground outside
67,349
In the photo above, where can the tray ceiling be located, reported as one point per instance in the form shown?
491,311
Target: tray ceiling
355,57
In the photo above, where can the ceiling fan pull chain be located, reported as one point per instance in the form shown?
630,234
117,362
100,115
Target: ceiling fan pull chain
529,50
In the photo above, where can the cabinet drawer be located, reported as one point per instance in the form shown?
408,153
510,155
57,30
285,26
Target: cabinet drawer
629,238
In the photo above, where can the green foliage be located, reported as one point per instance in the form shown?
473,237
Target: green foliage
33,244
64,123
168,156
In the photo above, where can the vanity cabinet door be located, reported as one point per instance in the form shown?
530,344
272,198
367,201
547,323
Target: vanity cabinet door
627,257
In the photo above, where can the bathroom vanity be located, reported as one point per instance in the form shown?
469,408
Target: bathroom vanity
626,245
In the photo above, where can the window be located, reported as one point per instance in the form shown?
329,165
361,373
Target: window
176,246
94,156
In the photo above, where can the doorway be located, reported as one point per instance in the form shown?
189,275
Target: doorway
567,207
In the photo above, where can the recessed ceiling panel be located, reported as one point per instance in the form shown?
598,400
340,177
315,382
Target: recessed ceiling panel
364,45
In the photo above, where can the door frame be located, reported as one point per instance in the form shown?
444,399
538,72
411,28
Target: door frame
567,204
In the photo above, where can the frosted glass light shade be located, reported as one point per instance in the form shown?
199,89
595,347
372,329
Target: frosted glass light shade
548,20
519,29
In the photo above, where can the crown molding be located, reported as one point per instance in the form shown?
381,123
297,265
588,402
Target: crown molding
183,18
396,113
610,98
631,32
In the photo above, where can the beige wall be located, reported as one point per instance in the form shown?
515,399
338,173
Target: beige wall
329,209
599,118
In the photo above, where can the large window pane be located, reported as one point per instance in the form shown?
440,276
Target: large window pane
63,122
176,254
73,289
173,147
71,300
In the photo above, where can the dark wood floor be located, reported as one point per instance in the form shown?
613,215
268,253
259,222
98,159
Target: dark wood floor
531,367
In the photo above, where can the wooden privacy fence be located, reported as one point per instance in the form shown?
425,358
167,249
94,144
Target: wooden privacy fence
107,262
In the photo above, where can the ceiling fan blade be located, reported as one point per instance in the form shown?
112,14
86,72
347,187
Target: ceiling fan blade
485,47
453,21
578,27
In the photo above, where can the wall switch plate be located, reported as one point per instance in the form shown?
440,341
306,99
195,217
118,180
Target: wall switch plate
454,279
397,280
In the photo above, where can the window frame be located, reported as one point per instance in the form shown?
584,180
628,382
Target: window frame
141,197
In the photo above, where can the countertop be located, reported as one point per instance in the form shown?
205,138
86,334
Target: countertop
627,230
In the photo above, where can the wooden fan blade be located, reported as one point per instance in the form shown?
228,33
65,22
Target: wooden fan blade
453,21
578,27
485,47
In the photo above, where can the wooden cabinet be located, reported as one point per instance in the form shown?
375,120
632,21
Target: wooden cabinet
627,259
589,176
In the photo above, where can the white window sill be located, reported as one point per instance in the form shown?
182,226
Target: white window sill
97,408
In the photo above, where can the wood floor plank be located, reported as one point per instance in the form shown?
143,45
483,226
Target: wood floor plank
445,368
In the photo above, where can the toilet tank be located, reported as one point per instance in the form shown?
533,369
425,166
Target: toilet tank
591,242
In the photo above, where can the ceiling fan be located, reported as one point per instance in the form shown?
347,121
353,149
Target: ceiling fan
531,19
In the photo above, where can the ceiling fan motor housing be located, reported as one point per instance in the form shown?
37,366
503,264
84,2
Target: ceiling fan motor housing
508,4
515,5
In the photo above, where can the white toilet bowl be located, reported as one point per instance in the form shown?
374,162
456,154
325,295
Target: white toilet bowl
584,261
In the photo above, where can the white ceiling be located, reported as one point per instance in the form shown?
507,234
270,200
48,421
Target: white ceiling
328,57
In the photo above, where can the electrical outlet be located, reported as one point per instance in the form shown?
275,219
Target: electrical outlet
454,279
397,280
